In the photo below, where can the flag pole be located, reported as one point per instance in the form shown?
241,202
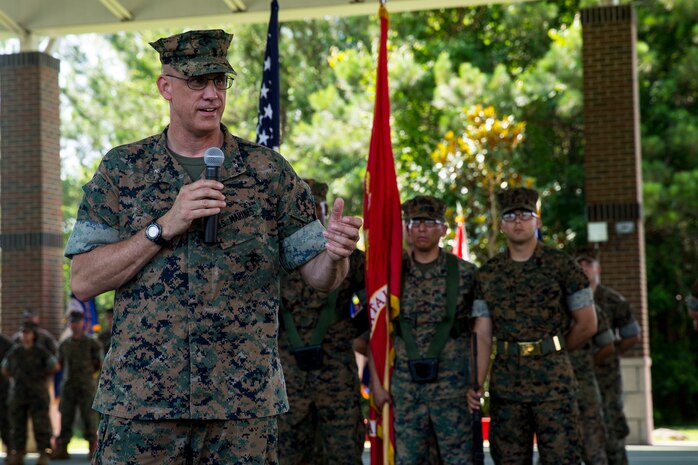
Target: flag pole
383,230
386,385
386,420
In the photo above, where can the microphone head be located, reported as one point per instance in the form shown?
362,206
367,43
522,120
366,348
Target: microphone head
214,157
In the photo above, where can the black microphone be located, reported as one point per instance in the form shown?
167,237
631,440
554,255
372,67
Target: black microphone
213,157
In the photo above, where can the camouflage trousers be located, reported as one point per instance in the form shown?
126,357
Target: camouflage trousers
417,422
615,451
4,417
555,424
77,397
611,388
593,429
324,424
123,441
20,407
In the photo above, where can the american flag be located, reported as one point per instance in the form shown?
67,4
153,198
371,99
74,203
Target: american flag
268,114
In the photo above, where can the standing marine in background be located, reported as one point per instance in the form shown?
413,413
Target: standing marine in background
28,365
591,415
608,372
324,424
80,358
537,303
431,373
5,346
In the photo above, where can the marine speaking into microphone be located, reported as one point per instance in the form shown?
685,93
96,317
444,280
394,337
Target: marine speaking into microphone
202,315
213,158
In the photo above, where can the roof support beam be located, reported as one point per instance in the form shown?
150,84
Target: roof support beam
236,6
12,25
117,9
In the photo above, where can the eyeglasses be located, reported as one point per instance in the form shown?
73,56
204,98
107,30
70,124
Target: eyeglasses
523,215
429,223
221,81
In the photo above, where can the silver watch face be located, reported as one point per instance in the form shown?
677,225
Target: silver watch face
152,231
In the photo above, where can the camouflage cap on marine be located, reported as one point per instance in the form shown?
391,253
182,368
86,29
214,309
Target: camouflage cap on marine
195,53
517,198
318,189
28,325
589,253
424,206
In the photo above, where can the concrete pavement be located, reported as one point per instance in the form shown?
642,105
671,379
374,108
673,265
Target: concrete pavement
665,453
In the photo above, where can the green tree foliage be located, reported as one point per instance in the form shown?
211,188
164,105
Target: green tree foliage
668,65
473,164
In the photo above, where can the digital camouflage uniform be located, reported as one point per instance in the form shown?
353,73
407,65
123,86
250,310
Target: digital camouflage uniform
195,331
29,394
608,373
531,393
591,417
80,358
5,346
425,410
530,301
324,403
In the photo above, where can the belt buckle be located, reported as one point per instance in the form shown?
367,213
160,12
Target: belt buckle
527,349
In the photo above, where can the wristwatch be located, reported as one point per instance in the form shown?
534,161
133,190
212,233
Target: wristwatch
153,232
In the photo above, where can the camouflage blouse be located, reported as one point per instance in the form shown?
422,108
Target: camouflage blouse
29,370
423,307
528,301
80,359
195,331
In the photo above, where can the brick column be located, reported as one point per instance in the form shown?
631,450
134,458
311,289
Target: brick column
31,229
613,186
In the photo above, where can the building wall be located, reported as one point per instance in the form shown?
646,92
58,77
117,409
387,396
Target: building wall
613,185
31,224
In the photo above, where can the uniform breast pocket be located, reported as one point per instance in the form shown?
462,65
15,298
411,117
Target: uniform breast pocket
240,224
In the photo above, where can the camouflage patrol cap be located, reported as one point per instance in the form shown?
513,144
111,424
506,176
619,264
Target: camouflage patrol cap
28,326
424,206
318,189
517,198
588,253
195,53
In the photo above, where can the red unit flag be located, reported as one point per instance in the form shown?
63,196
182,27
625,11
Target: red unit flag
383,234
